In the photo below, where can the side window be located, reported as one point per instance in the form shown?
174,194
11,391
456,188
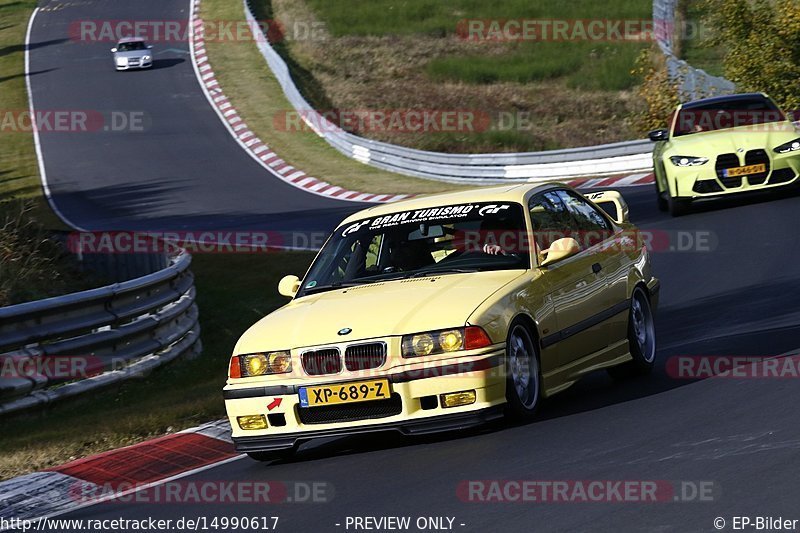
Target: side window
550,218
591,226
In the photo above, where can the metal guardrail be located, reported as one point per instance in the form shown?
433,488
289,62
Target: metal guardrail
606,159
59,347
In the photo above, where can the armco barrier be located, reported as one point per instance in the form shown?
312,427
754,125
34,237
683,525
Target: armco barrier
607,159
100,336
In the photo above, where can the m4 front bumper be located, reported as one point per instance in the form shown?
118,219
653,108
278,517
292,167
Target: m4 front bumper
710,181
415,405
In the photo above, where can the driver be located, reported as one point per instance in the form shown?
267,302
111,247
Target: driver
410,255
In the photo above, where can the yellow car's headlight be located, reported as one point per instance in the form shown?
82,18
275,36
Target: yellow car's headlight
688,160
791,146
444,341
260,364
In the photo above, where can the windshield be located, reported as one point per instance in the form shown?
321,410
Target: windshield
439,240
131,47
724,114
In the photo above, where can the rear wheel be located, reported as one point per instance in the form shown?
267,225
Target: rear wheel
523,381
641,338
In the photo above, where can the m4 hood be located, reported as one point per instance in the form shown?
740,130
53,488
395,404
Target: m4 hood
712,143
374,310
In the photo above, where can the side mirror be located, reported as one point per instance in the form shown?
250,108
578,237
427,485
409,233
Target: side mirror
114,50
289,285
620,214
560,249
658,135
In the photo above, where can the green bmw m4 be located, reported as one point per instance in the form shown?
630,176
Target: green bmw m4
722,146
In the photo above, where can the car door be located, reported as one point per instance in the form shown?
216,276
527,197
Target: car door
576,286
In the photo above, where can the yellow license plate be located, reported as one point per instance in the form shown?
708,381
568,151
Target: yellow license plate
744,171
355,391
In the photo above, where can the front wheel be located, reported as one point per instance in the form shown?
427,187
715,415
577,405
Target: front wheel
641,338
523,381
677,206
661,201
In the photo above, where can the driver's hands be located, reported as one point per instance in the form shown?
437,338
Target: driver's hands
493,249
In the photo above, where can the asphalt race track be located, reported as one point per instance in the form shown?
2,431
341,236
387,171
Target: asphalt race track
180,170
734,293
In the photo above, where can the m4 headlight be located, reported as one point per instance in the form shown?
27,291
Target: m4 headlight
688,161
791,146
145,58
444,341
122,61
260,364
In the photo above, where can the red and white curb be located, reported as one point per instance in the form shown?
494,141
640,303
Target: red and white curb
626,180
116,473
246,138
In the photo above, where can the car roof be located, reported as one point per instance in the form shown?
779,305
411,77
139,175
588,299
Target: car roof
131,40
501,193
724,98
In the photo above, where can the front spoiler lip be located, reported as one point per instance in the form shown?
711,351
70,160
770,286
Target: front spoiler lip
760,191
434,424
400,377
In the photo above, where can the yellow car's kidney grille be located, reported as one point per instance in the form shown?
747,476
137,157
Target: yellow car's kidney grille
364,356
319,362
327,414
757,157
728,161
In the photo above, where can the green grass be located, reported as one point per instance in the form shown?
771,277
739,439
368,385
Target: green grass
439,17
695,48
585,65
19,173
179,395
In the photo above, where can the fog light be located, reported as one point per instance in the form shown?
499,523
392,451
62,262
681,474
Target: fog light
251,422
454,399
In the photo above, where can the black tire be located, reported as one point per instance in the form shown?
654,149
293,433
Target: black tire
523,373
274,455
641,338
661,201
677,206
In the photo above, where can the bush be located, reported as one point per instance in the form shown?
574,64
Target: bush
761,39
659,94
32,264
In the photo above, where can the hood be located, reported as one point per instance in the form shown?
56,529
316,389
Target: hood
709,144
134,53
375,310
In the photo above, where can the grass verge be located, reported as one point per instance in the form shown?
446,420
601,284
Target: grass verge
180,395
256,94
541,93
19,172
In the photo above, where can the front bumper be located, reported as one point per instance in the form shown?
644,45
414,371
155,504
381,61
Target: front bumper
416,405
699,183
437,424
134,66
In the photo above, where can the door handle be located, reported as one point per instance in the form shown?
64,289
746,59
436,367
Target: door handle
596,268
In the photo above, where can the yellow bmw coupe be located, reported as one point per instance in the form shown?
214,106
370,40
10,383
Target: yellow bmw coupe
443,312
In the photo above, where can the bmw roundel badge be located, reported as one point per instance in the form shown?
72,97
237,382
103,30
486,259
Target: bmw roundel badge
345,331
